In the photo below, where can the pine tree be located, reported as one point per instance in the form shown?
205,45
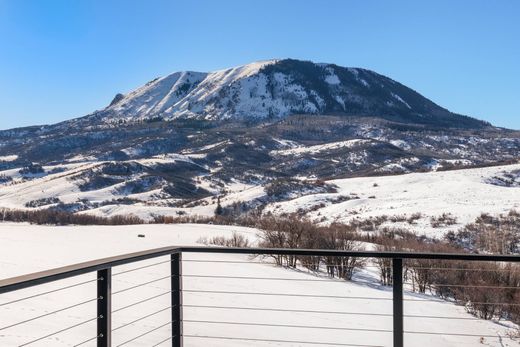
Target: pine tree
219,210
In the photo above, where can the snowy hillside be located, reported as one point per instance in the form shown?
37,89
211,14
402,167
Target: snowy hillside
26,249
465,194
136,187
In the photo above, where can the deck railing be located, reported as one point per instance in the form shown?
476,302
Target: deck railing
177,333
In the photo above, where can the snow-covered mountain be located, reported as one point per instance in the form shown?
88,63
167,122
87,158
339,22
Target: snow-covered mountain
181,140
278,88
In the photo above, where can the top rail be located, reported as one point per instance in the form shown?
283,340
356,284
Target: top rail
359,254
37,278
42,277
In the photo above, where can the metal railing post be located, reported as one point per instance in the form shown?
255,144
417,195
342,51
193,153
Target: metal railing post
176,287
104,308
397,277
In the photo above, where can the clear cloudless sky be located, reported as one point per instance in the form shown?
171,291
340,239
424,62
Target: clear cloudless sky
61,59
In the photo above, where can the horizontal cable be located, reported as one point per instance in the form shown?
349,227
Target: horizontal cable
464,286
261,278
225,261
59,331
441,317
277,341
492,303
87,341
459,269
288,310
146,333
436,300
163,341
47,314
336,312
48,292
141,318
320,264
337,328
140,285
270,263
288,326
451,334
454,302
142,267
284,294
141,301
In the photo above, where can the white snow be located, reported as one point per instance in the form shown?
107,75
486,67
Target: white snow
25,249
208,147
398,98
287,143
401,144
464,193
365,83
7,158
332,79
187,93
321,148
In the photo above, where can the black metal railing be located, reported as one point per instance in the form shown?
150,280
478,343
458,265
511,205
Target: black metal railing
179,324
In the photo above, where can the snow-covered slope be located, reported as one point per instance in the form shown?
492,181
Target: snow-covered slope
137,187
26,249
193,93
465,194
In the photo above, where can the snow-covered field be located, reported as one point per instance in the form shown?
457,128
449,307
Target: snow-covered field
25,249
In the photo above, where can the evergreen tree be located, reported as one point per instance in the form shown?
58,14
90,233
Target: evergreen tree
219,210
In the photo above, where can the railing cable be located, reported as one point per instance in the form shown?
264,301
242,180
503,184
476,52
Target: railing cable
462,302
48,292
141,267
146,333
452,334
288,326
141,318
337,280
284,294
140,285
288,310
47,314
59,331
87,341
163,341
141,301
466,286
278,341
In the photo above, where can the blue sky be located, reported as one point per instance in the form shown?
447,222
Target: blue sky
61,59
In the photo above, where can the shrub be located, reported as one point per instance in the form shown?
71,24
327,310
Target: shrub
43,202
31,169
53,217
236,240
499,234
444,220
